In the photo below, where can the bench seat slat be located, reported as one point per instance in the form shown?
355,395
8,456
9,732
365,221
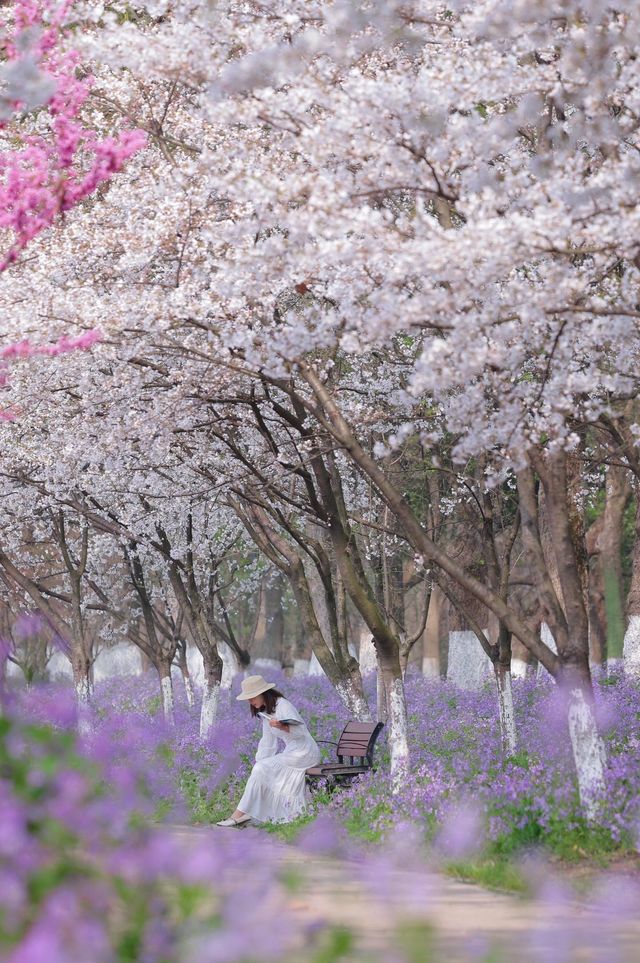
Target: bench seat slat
336,770
364,727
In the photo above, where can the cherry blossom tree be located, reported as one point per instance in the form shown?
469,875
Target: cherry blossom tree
51,160
454,190
57,161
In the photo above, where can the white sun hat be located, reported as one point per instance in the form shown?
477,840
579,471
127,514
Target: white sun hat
254,685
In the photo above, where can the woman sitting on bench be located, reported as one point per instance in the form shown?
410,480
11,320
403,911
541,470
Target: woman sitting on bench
275,791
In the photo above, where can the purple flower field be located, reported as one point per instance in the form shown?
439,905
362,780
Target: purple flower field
87,856
455,746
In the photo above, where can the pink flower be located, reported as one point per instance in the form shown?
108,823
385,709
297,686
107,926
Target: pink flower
47,175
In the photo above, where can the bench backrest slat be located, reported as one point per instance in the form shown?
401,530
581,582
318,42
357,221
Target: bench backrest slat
358,740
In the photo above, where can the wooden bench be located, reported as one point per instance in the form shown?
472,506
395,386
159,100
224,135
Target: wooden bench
356,744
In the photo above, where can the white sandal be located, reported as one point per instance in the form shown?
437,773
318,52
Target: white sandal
234,822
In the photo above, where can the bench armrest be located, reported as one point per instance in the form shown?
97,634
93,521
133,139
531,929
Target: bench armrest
326,742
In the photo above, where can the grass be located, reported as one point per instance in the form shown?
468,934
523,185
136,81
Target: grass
288,832
491,872
209,806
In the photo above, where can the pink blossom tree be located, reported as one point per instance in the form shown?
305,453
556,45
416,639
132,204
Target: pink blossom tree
51,160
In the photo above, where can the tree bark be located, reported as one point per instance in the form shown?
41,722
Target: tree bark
617,494
589,752
632,632
186,675
431,637
502,669
396,713
567,539
166,690
211,692
508,733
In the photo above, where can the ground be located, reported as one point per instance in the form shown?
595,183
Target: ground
376,911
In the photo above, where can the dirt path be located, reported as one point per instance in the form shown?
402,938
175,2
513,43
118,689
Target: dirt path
437,919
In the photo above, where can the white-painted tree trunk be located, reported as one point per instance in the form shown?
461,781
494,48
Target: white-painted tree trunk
230,669
546,636
353,700
83,698
631,647
518,669
314,666
398,741
381,697
83,691
367,654
469,666
209,709
430,667
300,667
120,660
166,688
188,688
508,732
265,665
588,752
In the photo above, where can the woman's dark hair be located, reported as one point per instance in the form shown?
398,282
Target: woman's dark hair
270,697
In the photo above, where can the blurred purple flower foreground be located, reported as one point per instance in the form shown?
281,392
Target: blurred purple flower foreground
85,876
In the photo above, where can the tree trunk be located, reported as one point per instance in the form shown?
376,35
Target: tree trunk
186,678
275,615
396,705
431,637
567,538
502,668
519,660
268,637
381,698
508,733
210,693
617,494
632,633
81,666
366,650
347,684
597,613
589,752
192,607
166,690
548,638
569,552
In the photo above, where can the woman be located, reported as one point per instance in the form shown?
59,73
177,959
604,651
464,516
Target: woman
275,791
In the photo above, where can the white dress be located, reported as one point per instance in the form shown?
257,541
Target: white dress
275,791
